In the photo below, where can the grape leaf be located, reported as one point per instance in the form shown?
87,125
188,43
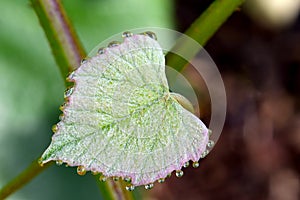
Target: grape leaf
120,119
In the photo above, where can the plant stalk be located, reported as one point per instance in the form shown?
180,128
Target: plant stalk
65,45
24,177
201,30
114,190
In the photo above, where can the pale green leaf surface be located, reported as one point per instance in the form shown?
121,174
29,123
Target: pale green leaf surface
121,120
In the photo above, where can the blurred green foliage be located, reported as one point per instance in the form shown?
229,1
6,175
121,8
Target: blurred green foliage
31,88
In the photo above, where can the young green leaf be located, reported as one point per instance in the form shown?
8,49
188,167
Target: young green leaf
120,119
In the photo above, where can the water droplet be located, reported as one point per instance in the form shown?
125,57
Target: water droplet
204,153
209,132
59,162
40,162
195,164
62,107
68,92
149,186
179,173
95,172
61,116
81,170
115,178
113,44
161,180
210,144
101,50
67,165
129,187
186,164
127,34
54,128
127,179
150,34
71,76
102,178
84,60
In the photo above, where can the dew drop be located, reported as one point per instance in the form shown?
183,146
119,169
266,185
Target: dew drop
61,116
101,50
204,153
179,173
161,180
195,164
84,60
210,144
54,128
127,179
127,34
209,132
59,162
150,34
95,173
68,92
102,178
62,107
113,44
81,170
40,162
149,186
129,187
186,164
115,178
71,76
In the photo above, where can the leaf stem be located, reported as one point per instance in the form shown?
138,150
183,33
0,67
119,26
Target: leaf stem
24,177
201,30
114,190
66,47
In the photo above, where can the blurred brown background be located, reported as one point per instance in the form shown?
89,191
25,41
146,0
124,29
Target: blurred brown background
257,155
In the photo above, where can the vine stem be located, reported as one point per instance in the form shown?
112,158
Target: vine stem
24,177
65,45
201,30
118,187
68,52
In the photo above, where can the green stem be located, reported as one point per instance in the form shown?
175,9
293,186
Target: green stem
112,190
24,177
127,195
65,45
105,189
202,29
